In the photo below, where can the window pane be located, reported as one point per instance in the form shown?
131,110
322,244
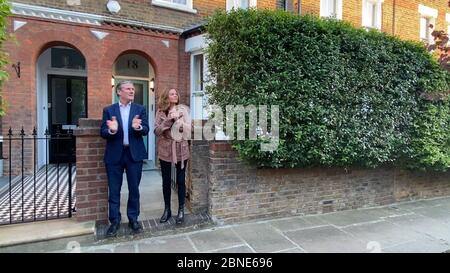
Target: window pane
373,14
244,4
139,93
370,11
198,72
132,65
58,103
183,2
198,106
424,28
67,58
78,100
333,8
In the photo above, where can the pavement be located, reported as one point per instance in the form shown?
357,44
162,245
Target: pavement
409,227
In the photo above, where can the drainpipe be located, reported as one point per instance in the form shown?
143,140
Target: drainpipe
299,7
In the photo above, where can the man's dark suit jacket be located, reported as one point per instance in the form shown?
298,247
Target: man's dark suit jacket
114,143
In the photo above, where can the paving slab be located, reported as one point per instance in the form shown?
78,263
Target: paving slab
237,249
215,239
296,223
125,248
424,225
263,237
437,212
326,239
351,217
99,250
423,245
292,250
178,244
445,202
383,233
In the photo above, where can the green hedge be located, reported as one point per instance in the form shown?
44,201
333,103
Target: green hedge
347,96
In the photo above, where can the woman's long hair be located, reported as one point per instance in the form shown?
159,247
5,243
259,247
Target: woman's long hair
163,102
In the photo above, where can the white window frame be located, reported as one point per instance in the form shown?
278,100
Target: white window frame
195,93
188,7
430,14
325,9
367,19
236,4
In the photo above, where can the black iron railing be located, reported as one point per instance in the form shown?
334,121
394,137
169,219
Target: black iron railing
50,187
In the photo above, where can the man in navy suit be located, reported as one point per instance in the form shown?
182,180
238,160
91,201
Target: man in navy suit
124,125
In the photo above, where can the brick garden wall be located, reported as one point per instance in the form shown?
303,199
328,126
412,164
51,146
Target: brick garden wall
197,176
91,180
239,192
232,191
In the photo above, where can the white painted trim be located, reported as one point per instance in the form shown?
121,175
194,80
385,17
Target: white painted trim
427,11
80,17
56,14
447,17
196,43
99,34
43,69
186,8
18,24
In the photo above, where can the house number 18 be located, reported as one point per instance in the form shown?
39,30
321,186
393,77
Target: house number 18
133,64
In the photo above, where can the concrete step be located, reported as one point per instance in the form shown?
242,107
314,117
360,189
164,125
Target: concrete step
17,234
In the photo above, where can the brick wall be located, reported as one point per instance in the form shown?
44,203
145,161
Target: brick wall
197,177
239,192
91,180
405,24
143,10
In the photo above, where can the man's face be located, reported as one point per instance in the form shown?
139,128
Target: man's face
126,92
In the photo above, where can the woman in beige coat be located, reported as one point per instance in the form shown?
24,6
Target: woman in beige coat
173,128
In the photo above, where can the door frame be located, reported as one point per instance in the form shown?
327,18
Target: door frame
43,69
50,97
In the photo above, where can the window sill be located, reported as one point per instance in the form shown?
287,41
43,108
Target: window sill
173,6
371,28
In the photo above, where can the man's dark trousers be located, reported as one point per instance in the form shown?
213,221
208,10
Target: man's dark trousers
115,174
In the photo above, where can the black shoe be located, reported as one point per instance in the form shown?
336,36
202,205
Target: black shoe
112,230
166,215
180,216
135,226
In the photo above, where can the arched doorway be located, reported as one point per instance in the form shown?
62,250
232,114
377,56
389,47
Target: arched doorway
61,83
137,69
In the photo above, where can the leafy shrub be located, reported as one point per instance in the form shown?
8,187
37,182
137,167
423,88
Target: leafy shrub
346,96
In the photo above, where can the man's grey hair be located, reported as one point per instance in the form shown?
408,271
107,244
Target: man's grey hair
119,86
